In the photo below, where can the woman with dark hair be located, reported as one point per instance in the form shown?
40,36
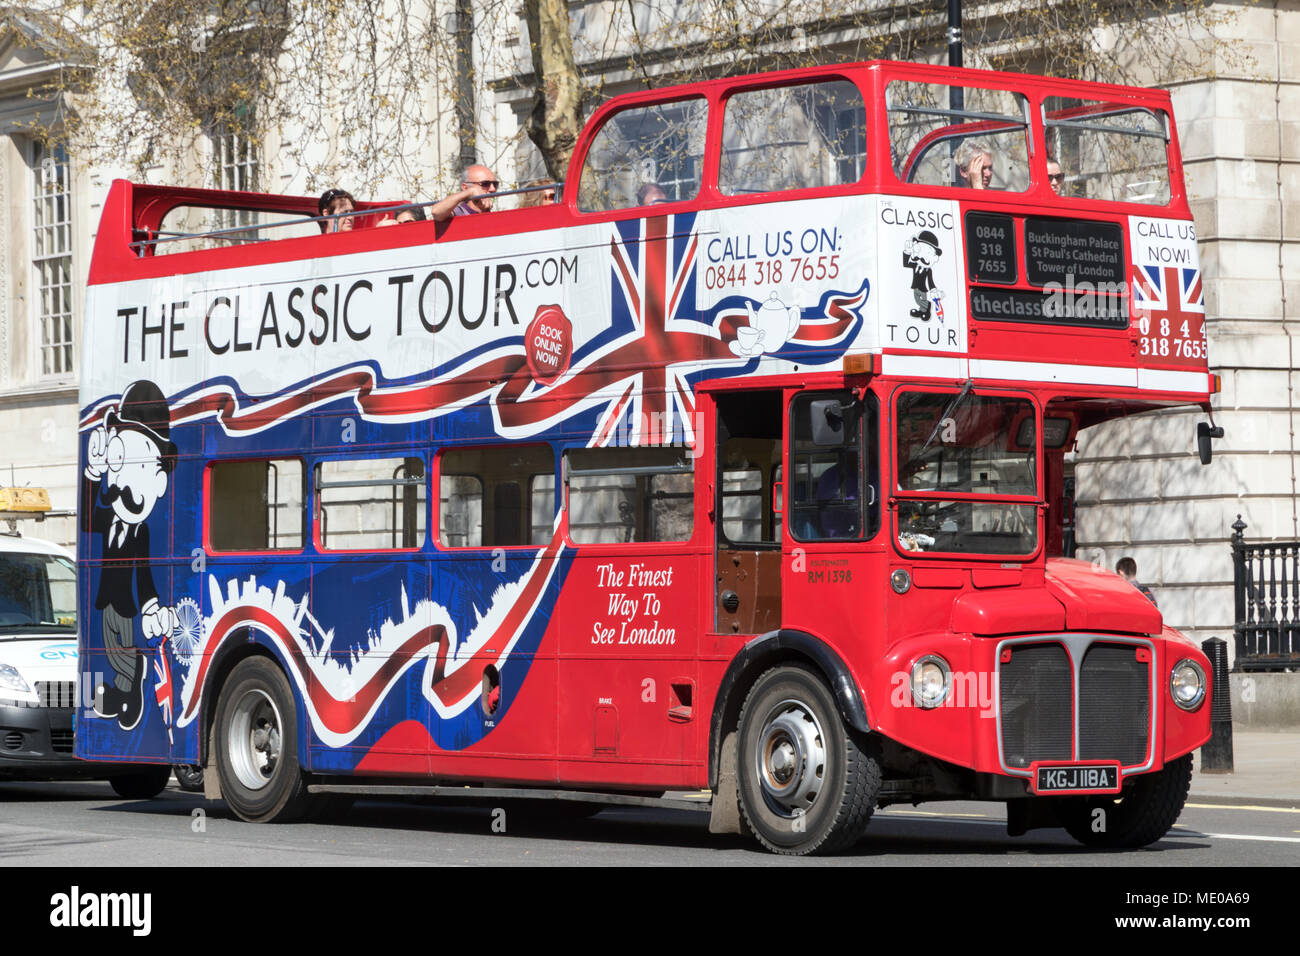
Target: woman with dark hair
414,214
332,203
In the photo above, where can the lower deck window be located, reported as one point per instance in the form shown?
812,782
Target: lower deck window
256,505
371,504
496,497
619,495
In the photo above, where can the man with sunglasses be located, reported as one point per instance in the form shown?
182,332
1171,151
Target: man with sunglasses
1055,178
475,195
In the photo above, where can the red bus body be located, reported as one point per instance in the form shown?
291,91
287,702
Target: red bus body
600,660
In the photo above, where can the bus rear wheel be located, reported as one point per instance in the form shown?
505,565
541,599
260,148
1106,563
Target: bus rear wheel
256,744
1141,815
806,783
143,784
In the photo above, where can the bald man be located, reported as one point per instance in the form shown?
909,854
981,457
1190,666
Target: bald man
475,195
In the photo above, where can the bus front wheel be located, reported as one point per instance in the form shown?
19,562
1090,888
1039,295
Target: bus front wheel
806,784
1142,815
257,745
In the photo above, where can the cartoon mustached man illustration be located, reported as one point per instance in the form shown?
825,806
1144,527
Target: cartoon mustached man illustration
132,455
920,254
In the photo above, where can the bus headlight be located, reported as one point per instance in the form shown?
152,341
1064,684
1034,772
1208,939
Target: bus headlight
931,679
1187,684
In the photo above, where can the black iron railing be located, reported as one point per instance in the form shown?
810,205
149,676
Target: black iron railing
1266,591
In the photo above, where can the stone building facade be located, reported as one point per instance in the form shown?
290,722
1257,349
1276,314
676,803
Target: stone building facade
48,205
1141,489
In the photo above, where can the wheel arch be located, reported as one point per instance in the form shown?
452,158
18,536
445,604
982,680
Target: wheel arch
227,657
782,646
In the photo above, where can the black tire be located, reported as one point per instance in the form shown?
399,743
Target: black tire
143,784
256,743
189,777
1140,816
807,784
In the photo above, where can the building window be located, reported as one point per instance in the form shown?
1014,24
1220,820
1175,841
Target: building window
235,157
52,256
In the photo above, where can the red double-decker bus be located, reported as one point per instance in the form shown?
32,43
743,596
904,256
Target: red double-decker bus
738,469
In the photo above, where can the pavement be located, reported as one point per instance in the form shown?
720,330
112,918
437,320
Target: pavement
1266,772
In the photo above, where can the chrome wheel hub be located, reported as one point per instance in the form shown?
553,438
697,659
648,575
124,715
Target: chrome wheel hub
254,740
790,761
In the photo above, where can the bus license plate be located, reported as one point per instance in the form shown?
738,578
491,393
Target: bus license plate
1085,778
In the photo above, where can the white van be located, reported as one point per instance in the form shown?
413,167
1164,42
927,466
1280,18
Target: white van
38,669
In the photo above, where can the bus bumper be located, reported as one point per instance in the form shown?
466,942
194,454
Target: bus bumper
1016,704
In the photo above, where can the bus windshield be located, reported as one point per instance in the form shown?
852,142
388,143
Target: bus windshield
962,451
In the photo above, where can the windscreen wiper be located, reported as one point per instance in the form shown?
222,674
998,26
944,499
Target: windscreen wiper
947,413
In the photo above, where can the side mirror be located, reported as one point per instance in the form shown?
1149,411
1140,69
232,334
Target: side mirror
827,421
1204,432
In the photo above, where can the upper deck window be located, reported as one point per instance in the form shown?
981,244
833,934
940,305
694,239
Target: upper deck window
793,137
1111,151
645,155
958,136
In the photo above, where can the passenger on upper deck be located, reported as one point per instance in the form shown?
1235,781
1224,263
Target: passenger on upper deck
414,214
650,194
332,202
975,164
475,195
541,192
1055,178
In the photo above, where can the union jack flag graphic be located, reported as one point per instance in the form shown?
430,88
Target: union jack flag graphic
1169,305
643,364
652,276
164,690
1170,292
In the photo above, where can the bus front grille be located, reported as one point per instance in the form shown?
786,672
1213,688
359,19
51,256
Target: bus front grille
1037,684
1114,705
1035,704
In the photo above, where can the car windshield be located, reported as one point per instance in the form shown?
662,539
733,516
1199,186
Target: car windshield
38,594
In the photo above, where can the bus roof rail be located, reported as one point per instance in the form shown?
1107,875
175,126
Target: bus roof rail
1162,134
241,233
963,114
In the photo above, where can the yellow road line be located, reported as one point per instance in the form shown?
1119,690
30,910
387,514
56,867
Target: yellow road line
1230,806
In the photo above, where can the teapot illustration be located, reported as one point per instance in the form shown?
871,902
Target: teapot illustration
769,328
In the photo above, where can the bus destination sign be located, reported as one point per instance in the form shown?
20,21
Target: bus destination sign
1072,252
991,248
1078,266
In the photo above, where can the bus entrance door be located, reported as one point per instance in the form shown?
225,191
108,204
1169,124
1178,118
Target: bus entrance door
747,596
